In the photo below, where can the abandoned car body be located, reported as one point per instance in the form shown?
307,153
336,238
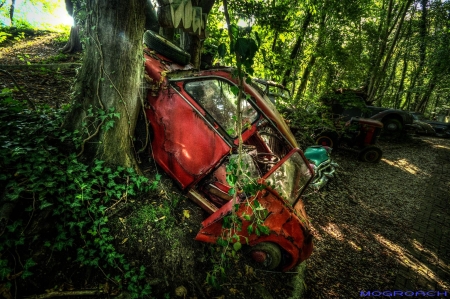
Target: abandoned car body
191,118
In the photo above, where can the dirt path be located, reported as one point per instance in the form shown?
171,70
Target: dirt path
374,223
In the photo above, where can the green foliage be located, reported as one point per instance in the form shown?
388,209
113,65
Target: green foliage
29,13
45,181
4,36
244,45
57,58
159,216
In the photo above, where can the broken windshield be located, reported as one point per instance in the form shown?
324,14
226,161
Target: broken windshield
217,98
290,178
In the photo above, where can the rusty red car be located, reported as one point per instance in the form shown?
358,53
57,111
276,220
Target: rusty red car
191,117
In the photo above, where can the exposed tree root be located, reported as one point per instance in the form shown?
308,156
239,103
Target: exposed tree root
73,44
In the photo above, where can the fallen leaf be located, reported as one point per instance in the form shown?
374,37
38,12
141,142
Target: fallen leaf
186,213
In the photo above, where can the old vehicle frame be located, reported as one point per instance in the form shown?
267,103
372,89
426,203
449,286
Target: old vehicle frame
359,134
191,118
441,129
395,121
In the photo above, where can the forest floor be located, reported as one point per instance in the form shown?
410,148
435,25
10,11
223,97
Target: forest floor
363,221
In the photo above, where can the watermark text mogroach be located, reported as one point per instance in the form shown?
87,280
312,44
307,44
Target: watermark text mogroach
404,293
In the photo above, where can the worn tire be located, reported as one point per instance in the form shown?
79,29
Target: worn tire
392,125
371,154
272,251
161,45
329,139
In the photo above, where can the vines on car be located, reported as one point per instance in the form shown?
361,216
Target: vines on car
243,47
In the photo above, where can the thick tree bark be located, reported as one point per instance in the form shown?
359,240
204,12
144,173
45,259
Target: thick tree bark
110,81
73,45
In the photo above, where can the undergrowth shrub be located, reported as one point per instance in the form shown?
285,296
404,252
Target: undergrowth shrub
40,181
306,124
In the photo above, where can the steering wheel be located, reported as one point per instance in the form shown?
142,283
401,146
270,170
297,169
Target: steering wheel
267,158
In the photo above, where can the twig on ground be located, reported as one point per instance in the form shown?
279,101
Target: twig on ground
67,293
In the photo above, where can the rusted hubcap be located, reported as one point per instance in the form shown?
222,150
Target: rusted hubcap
259,256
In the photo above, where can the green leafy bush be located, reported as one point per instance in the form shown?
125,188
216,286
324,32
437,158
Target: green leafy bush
38,179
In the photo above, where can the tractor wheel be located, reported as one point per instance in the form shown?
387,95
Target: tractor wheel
267,254
329,139
371,154
161,45
392,125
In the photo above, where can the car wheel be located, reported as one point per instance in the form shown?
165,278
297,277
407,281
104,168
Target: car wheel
371,154
392,125
329,139
161,45
267,254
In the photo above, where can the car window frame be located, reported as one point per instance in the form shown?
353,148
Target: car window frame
210,118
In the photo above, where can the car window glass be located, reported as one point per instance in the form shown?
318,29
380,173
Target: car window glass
217,99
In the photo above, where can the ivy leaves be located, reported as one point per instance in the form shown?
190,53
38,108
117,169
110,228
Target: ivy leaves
41,178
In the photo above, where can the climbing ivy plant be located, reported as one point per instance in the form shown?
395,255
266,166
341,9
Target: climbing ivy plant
40,181
243,46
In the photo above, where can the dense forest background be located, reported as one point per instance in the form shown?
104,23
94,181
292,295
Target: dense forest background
397,52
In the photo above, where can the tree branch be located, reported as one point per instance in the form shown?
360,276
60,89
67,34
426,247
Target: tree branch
67,293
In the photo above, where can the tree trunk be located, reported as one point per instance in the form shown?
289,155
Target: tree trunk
296,49
312,59
422,104
73,45
387,82
422,48
402,81
412,85
305,76
193,45
11,11
107,90
401,86
379,71
380,47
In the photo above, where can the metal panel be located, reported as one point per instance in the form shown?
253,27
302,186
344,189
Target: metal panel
184,144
